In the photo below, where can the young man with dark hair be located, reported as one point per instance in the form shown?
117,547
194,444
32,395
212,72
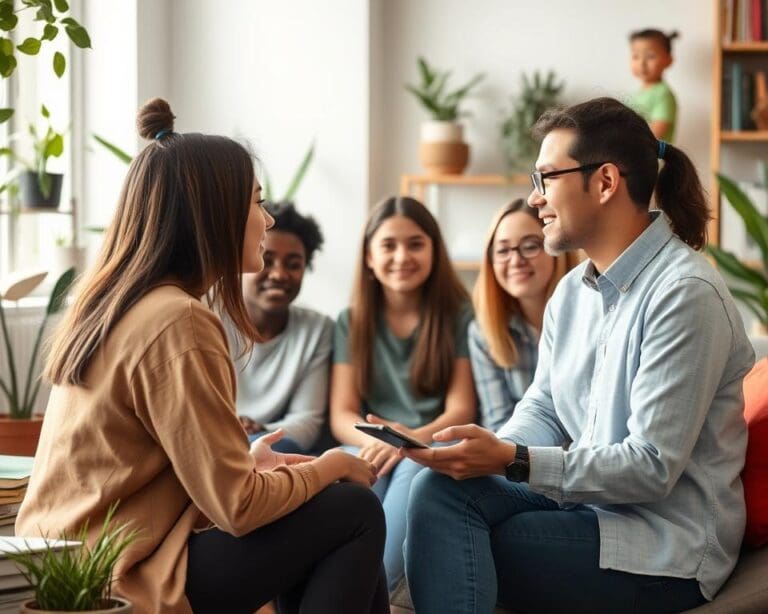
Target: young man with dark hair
614,487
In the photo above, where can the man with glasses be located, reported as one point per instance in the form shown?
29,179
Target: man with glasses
614,487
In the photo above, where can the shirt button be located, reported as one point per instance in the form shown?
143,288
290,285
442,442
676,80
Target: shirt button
611,307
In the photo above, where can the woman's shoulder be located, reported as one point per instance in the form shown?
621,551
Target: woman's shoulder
169,316
307,318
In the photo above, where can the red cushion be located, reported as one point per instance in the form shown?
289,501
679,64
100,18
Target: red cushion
755,474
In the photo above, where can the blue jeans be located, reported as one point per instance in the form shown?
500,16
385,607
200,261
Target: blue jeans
393,490
475,543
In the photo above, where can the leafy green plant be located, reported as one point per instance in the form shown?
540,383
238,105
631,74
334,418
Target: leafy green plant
432,94
293,186
76,578
46,143
537,94
752,291
22,401
53,15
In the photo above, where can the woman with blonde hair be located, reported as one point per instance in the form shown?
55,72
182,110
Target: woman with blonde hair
516,279
142,410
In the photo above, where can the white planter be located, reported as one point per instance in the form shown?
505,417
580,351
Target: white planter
442,132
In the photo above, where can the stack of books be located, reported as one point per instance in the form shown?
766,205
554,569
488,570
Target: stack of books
14,477
14,587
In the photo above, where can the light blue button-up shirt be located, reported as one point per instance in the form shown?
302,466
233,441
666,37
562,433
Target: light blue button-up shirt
641,370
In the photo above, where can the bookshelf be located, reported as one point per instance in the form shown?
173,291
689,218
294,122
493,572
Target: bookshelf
740,52
427,189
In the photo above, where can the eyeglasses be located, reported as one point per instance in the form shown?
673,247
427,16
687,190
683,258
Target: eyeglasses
537,177
528,249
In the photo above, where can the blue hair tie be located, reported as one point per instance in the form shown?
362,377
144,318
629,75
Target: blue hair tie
162,133
662,149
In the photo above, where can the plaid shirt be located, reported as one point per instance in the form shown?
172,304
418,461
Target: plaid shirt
499,388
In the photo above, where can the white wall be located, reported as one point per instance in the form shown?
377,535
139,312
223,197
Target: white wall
280,73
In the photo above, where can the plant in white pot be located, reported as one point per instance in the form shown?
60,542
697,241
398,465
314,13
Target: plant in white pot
77,578
19,428
442,149
751,288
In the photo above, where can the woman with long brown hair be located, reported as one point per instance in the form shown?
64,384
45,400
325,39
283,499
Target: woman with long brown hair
516,279
142,410
400,352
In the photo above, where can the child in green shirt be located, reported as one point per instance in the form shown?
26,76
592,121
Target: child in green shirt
651,56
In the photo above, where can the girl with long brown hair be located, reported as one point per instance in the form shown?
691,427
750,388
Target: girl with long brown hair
142,410
516,279
400,352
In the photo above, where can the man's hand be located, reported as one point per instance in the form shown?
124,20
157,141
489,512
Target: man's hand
266,458
479,453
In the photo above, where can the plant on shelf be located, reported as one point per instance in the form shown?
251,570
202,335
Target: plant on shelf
113,149
537,94
21,400
54,16
442,149
37,187
752,290
77,577
431,92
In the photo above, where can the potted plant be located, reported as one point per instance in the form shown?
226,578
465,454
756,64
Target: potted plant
19,429
37,187
442,149
77,578
537,94
752,279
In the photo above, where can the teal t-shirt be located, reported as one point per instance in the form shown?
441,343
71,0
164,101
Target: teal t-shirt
656,103
390,395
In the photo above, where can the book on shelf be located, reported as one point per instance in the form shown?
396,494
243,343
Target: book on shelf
737,92
15,471
744,21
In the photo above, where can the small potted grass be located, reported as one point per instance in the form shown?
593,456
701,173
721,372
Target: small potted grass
77,578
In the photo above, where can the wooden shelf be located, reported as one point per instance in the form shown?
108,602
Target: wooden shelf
746,47
37,210
414,185
745,136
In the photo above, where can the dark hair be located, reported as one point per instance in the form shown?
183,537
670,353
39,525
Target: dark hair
443,296
665,40
181,215
287,219
608,131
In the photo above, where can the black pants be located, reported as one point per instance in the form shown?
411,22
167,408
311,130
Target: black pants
325,557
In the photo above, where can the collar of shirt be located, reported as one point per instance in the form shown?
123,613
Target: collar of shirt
635,258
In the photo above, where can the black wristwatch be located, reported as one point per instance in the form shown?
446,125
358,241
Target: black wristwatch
520,468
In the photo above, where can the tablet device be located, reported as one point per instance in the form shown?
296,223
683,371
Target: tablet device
389,435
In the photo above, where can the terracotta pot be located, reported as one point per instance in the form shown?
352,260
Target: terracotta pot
444,158
113,606
20,437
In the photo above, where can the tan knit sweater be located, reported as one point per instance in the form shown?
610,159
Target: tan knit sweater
155,428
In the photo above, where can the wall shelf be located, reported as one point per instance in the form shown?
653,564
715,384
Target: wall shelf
745,136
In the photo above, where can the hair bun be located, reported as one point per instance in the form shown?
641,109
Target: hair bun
673,35
155,115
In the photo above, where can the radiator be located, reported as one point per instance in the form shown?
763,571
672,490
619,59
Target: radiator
23,324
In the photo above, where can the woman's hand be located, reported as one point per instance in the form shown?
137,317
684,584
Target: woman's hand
266,458
336,465
251,426
381,455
